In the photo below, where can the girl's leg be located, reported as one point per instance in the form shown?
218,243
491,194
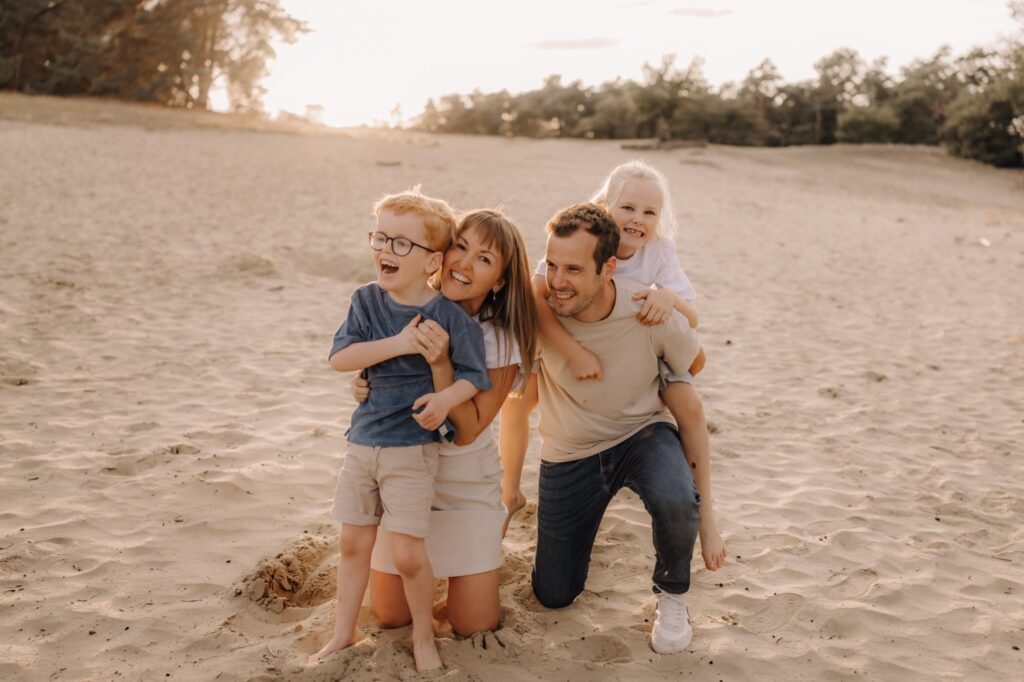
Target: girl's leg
513,441
473,604
387,600
685,404
353,570
410,556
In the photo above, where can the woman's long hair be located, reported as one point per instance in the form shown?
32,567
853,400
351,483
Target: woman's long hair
512,308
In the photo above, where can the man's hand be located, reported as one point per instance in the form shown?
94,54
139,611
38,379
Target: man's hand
585,365
431,341
360,388
435,410
657,307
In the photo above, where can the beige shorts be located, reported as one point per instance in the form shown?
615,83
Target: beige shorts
389,486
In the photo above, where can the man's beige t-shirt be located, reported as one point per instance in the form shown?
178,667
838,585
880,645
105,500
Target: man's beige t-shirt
582,418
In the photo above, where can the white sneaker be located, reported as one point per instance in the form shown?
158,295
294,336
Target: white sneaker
672,632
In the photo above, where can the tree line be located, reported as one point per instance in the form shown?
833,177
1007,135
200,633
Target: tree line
973,104
171,52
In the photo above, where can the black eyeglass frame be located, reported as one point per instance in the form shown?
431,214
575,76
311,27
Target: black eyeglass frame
394,244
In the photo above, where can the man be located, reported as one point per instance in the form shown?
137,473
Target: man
600,436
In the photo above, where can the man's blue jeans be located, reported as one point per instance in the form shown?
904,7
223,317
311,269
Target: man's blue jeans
574,495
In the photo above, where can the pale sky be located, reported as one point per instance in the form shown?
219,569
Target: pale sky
364,57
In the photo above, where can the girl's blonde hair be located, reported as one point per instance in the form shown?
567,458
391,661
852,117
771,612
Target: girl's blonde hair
637,169
512,307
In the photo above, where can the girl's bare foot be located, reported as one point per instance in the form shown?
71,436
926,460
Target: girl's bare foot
712,547
427,658
518,504
336,644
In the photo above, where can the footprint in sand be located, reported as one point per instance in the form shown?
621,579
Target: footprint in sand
303,575
854,585
778,610
600,649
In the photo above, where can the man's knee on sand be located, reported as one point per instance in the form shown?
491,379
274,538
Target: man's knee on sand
553,593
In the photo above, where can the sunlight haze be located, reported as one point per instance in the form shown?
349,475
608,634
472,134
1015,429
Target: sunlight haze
364,58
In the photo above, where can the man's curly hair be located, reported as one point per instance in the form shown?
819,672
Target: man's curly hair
593,219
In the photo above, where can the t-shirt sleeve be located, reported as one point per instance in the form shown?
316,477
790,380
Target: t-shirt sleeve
676,343
542,268
500,348
467,351
670,273
356,327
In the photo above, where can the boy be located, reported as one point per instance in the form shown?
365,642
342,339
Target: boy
388,474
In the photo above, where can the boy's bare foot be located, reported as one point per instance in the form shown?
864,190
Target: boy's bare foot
426,655
712,547
519,503
336,644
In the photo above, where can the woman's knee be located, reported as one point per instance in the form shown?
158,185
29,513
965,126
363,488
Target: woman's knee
388,618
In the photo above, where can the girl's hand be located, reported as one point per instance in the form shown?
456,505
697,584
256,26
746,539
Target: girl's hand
657,307
408,335
431,341
435,410
585,365
360,388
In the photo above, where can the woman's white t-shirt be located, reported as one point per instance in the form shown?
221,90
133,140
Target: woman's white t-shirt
500,350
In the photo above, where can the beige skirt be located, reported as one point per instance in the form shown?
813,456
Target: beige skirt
466,516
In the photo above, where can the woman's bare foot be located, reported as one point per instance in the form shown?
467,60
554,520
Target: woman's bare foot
336,644
426,655
712,547
514,507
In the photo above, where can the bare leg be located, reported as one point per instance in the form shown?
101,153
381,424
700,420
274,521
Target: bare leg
513,441
473,604
353,571
387,600
410,555
685,404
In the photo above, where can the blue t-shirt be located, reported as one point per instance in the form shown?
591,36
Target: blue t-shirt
385,417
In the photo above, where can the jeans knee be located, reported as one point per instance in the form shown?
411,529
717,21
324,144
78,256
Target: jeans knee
554,596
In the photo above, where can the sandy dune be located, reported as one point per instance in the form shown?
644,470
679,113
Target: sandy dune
170,431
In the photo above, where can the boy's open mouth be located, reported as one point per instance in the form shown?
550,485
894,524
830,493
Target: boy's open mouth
388,267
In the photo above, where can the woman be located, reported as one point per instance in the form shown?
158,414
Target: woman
486,271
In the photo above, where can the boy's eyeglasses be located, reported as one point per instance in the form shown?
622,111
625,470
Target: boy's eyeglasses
400,246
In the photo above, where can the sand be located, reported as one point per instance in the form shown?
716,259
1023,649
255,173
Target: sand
170,431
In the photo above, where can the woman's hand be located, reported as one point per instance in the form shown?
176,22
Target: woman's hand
435,410
360,388
657,307
431,341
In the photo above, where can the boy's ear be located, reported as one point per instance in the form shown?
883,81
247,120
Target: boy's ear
434,262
